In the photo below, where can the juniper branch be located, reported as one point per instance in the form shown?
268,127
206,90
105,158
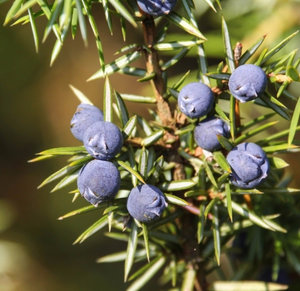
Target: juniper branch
152,64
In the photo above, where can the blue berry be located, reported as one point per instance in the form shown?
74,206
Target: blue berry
207,131
195,100
247,82
146,203
249,165
84,116
156,7
103,140
98,181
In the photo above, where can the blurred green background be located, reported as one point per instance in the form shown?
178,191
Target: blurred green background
36,251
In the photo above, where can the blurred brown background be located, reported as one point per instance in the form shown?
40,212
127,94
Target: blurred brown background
36,251
36,105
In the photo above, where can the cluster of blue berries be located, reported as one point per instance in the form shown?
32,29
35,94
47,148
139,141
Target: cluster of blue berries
196,100
248,162
98,180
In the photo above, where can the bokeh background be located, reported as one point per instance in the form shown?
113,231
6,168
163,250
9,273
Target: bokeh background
36,105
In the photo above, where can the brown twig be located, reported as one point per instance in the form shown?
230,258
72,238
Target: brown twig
192,209
188,222
152,64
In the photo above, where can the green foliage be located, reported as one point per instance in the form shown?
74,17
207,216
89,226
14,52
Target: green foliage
163,152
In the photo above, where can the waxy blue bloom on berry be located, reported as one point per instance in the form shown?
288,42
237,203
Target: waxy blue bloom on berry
156,7
195,100
146,203
98,181
249,165
85,115
207,131
247,82
103,140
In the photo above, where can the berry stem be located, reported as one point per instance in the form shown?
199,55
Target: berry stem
237,52
237,114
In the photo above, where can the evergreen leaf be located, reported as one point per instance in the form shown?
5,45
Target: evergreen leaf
227,44
216,234
283,147
260,221
219,76
107,101
64,151
34,30
13,10
121,256
138,99
176,200
129,126
177,185
45,8
173,45
81,97
278,162
232,117
55,11
276,136
143,162
123,11
211,5
210,175
174,60
82,24
278,47
222,162
94,28
255,131
146,241
62,172
95,227
275,105
184,24
145,125
189,277
79,211
116,65
107,15
154,137
251,51
67,180
132,71
294,122
255,121
228,198
132,171
124,116
201,223
155,266
131,249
